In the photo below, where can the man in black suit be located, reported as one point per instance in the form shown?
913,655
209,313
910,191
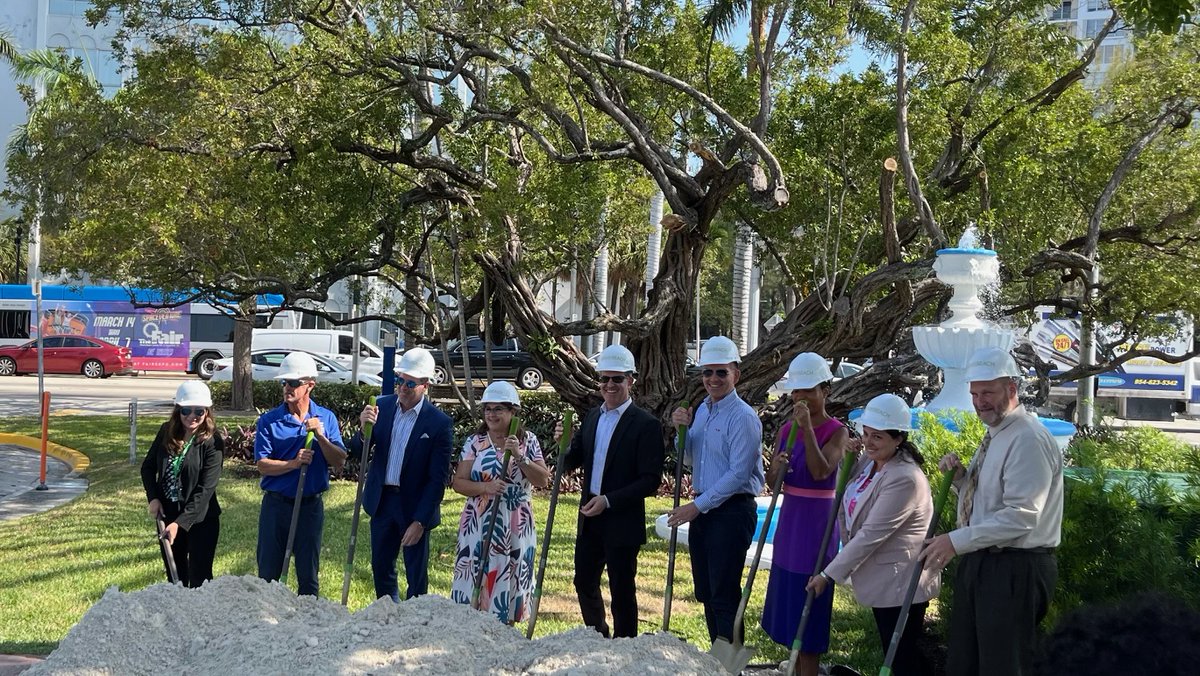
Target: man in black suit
620,448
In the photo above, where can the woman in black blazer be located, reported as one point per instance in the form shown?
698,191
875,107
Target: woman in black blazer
180,476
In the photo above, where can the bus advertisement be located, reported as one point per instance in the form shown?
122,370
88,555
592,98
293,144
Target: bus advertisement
185,338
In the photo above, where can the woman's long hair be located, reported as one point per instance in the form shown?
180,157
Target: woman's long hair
176,430
907,449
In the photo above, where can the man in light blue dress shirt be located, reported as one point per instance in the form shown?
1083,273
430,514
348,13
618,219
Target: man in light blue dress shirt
724,448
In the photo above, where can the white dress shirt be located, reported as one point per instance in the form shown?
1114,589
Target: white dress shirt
605,426
402,428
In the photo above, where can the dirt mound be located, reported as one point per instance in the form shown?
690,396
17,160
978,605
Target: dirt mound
237,625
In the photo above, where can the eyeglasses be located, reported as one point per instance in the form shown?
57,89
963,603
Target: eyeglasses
612,379
185,412
411,384
492,410
720,373
294,383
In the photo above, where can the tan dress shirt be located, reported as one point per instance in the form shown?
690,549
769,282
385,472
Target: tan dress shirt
1019,499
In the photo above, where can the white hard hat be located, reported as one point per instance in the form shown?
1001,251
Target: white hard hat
616,358
719,350
501,392
193,393
808,369
886,412
990,363
417,362
297,365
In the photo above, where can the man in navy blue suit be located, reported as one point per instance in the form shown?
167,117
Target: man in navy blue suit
407,476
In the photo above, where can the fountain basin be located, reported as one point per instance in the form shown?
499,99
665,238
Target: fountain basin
949,348
663,531
1062,430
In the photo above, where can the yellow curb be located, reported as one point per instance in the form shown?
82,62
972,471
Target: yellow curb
78,461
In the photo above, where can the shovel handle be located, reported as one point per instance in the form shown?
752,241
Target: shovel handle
842,480
364,465
564,443
485,547
943,493
291,539
669,593
168,554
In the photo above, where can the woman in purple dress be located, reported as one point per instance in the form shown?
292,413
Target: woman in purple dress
810,468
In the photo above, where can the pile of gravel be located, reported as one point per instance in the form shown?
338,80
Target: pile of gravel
236,625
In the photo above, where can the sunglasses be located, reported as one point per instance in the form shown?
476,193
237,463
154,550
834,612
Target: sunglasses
496,409
294,383
612,379
720,373
185,412
411,384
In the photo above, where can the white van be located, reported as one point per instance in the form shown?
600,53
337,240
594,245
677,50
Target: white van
337,344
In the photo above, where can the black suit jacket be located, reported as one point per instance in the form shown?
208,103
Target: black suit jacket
197,479
632,472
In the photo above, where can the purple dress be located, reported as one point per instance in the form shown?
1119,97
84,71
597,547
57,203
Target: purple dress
807,503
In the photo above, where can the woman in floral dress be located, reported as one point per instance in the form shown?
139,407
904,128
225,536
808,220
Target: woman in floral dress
507,573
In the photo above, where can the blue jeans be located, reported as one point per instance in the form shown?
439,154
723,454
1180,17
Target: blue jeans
274,519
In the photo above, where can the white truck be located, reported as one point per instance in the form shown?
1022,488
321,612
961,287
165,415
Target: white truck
1143,388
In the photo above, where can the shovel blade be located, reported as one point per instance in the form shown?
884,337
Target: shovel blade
733,657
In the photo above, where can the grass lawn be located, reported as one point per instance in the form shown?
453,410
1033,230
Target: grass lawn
55,565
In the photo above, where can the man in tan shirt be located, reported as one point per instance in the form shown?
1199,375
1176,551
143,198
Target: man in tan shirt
1010,503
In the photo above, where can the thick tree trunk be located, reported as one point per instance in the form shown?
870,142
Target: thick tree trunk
242,395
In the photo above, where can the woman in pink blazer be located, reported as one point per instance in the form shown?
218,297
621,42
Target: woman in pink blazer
884,517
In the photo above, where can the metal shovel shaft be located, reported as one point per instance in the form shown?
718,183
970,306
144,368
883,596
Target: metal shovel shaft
564,442
485,545
669,592
291,540
363,467
843,477
942,494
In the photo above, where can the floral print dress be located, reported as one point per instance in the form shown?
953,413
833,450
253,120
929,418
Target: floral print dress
508,580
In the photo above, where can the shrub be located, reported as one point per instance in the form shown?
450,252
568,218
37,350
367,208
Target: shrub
1140,448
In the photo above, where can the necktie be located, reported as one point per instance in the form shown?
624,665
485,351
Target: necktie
967,501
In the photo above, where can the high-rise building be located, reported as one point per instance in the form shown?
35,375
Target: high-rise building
1083,20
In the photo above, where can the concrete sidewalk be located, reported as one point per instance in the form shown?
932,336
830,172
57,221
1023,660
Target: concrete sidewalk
20,466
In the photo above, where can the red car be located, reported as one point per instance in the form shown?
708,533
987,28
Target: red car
68,354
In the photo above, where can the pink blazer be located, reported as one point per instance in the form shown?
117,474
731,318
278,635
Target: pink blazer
882,540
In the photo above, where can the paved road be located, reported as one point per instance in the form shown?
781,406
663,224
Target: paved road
76,395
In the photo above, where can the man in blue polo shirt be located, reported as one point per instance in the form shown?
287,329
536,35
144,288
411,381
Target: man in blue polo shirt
279,452
724,448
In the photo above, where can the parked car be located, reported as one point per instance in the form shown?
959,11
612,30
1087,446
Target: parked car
92,357
510,361
264,365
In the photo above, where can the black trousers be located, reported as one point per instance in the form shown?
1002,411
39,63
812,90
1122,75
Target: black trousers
718,542
194,551
592,555
999,600
909,660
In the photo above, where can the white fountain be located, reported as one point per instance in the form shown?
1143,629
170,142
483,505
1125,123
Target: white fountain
968,270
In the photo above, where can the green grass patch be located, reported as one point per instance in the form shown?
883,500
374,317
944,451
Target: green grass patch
55,565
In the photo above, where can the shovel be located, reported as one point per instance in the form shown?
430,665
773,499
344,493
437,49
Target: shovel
172,572
843,478
564,442
669,593
485,546
358,498
733,655
942,494
287,552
